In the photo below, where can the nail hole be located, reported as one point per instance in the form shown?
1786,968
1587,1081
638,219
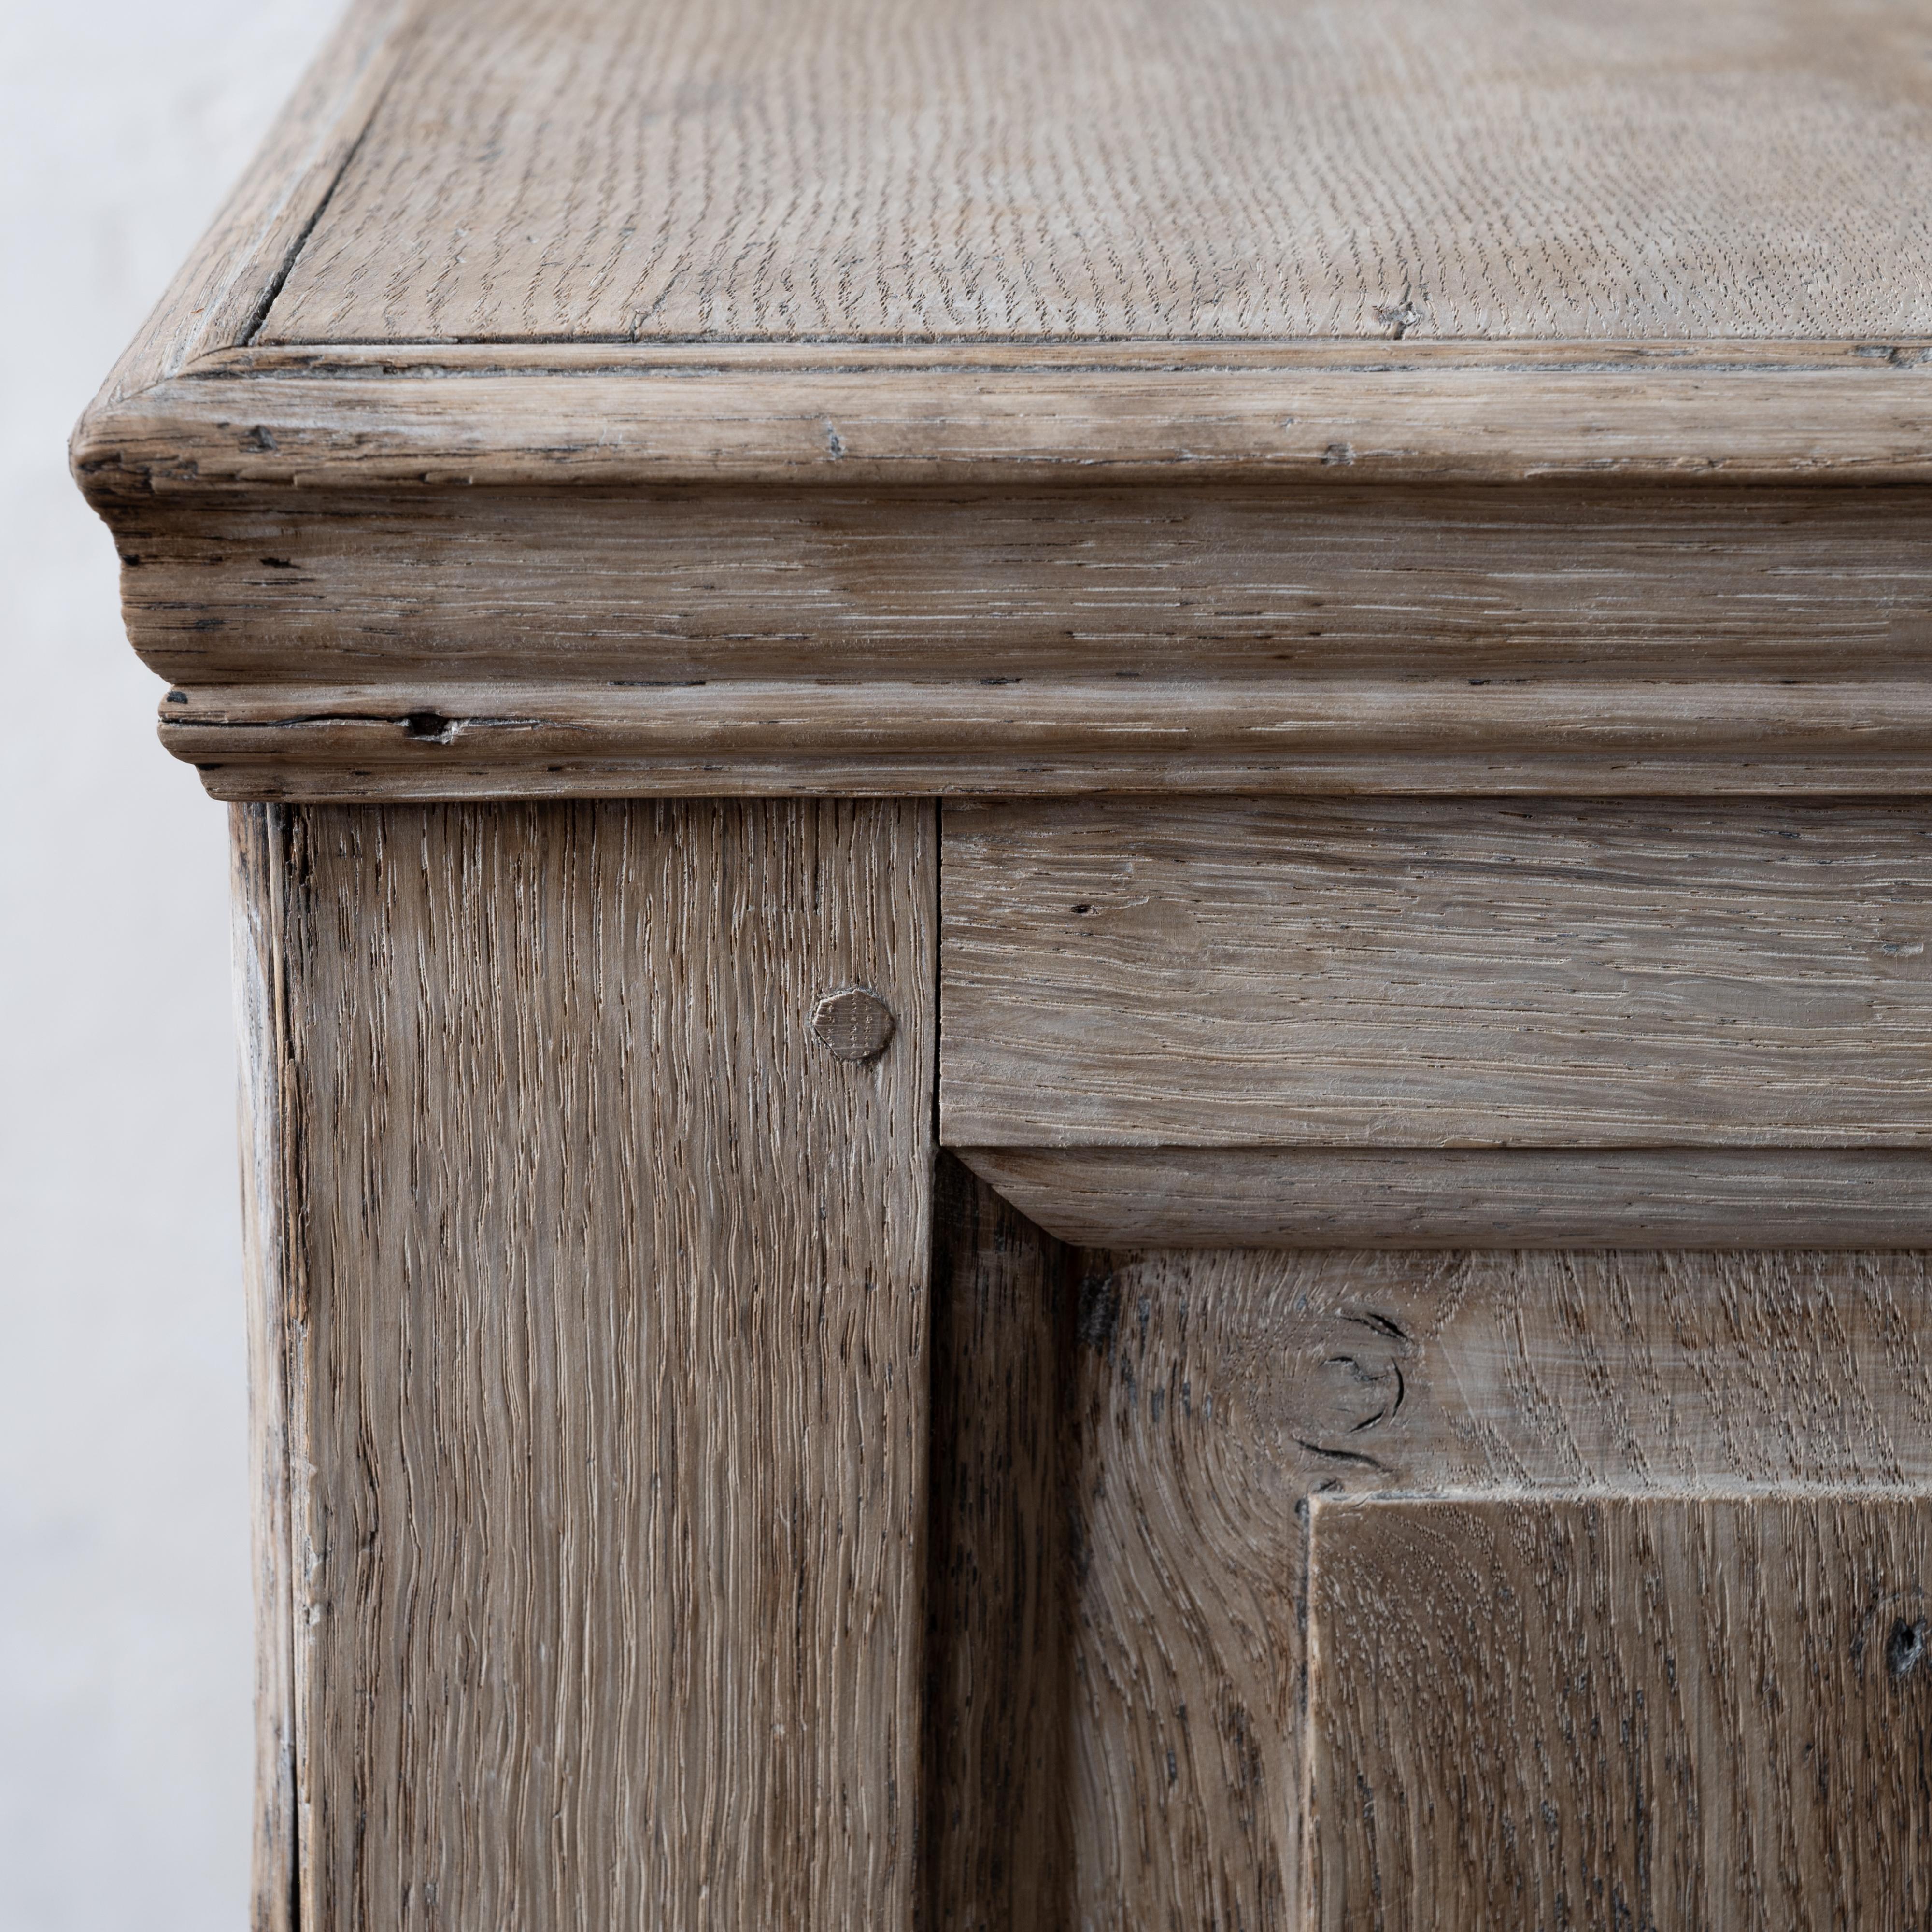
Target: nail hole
1905,1647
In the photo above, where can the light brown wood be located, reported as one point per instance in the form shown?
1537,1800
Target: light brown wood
240,424
1520,1197
1074,168
1473,973
1715,1713
434,739
1339,639
604,1323
1478,619
1505,428
268,1182
1209,1395
1106,458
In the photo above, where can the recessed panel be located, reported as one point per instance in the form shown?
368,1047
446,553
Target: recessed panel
1631,1711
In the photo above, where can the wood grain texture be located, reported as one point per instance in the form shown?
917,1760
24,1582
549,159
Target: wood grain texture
1210,1395
844,391
1673,640
1708,1713
1699,1198
995,1851
607,1360
990,733
242,426
271,1254
1700,611
1397,973
1084,167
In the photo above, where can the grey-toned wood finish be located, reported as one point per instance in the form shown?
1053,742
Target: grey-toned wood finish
1075,168
1207,1397
601,1285
1700,1198
575,402
1473,973
449,416
269,1140
1458,477
1712,1713
1317,638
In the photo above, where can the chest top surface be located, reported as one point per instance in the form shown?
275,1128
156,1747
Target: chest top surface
878,395
1558,170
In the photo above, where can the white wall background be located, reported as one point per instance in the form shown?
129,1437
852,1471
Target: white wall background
124,1648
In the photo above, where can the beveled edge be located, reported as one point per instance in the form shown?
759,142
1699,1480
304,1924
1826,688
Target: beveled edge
1689,1198
225,427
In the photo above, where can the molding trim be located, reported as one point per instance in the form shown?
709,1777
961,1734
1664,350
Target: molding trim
1698,1198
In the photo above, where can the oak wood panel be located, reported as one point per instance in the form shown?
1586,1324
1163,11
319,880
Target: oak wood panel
996,1852
1210,1395
606,1331
1696,1713
232,428
1397,973
423,499
705,765
1698,1198
271,1254
1490,167
1674,640
1016,735
1794,601
1632,1370
1183,1586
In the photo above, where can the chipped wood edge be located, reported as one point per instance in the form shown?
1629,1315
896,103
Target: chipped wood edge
1691,1198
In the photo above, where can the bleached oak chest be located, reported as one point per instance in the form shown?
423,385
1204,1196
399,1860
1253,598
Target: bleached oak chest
1084,857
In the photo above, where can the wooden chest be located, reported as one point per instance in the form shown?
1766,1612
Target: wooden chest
1083,864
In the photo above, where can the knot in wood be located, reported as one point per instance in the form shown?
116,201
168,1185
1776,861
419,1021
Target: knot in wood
853,1023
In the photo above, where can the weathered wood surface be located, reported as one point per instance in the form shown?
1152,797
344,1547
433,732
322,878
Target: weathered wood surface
1079,168
1710,1713
1398,974
241,425
1674,641
728,512
605,1328
1501,605
1701,1198
268,1139
1207,1396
